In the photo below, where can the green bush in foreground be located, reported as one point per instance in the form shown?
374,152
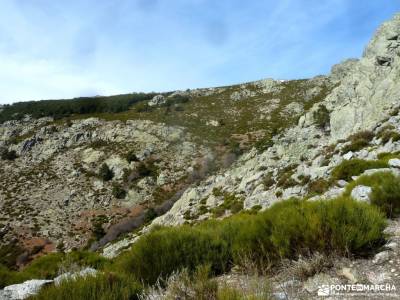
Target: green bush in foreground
165,250
101,287
385,191
342,226
286,230
355,167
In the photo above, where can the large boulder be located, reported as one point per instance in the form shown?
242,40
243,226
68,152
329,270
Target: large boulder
23,290
72,276
157,100
394,162
369,87
361,193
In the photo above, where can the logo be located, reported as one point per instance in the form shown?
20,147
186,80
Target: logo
357,290
324,290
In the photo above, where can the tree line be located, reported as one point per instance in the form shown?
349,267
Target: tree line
66,107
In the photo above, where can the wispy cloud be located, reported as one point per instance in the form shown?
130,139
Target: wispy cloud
59,49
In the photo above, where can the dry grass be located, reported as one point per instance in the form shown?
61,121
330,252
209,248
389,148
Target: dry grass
306,267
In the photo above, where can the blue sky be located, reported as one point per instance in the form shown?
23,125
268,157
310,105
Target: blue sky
61,49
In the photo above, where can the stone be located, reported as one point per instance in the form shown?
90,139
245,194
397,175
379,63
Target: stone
113,250
349,274
392,246
214,123
348,155
25,289
394,162
342,183
378,278
361,193
280,296
394,171
242,94
381,257
364,93
117,165
157,100
72,276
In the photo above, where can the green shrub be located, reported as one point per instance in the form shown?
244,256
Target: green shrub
341,226
388,132
268,180
165,250
217,192
105,172
48,266
286,230
256,208
231,202
358,141
218,211
203,209
321,116
106,286
131,156
355,167
143,107
150,215
385,156
9,253
304,179
118,192
8,154
385,191
318,186
386,136
285,179
264,143
145,169
97,227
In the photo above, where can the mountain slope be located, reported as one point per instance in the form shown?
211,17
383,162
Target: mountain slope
103,178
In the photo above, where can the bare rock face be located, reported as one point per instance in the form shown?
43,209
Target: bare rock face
369,87
73,276
52,190
365,92
23,290
242,94
157,100
394,162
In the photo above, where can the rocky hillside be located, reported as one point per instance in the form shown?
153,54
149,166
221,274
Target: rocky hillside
103,179
365,97
52,188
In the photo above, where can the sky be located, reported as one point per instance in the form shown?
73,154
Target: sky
63,49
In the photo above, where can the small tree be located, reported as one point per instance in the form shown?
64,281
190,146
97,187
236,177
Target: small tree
131,156
8,155
106,173
322,116
150,214
118,192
